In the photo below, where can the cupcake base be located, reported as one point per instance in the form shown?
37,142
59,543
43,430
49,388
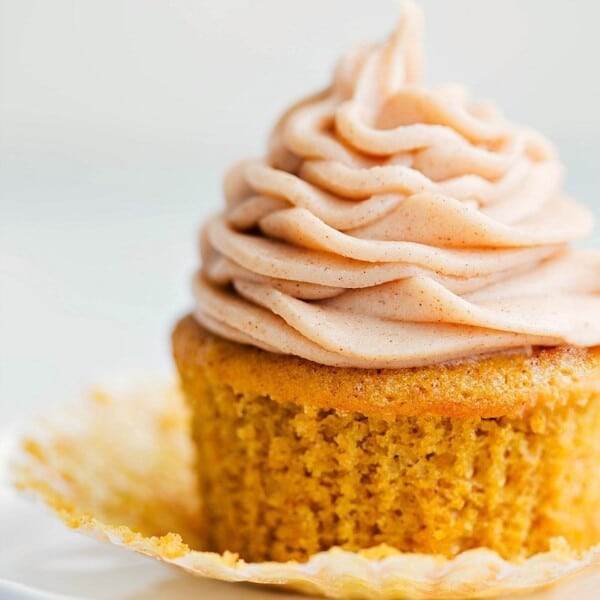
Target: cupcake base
138,492
294,458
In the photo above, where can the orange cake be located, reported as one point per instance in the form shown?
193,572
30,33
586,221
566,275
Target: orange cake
296,457
394,343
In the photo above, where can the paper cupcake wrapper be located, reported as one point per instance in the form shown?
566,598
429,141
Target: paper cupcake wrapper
119,467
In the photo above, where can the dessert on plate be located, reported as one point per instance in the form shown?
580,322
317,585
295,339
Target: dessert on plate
393,342
391,371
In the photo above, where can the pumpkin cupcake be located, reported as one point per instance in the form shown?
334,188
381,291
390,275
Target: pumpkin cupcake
393,343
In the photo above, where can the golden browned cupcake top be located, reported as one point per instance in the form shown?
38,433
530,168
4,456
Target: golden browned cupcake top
488,387
393,225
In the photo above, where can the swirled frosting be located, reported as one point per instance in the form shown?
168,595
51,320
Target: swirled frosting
392,225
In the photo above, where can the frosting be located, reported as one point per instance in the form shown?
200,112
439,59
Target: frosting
392,225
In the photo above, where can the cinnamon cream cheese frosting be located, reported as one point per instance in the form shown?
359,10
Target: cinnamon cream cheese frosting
394,225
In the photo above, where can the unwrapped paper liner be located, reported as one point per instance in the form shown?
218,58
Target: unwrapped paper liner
120,468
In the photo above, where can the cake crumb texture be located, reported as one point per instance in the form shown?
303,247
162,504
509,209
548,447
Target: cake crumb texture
282,480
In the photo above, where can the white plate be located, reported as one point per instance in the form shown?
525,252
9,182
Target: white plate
40,559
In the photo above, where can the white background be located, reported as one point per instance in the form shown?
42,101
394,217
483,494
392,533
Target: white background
118,118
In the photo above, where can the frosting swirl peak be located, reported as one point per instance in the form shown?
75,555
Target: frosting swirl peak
392,225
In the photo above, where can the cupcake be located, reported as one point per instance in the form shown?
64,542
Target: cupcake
393,343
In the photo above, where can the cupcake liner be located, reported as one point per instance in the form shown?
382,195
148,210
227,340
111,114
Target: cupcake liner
119,467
